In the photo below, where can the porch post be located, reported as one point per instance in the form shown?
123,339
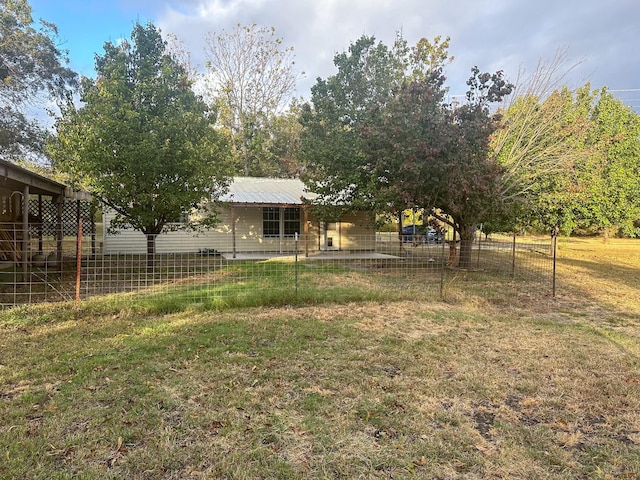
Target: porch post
41,219
59,230
305,230
281,229
25,233
233,230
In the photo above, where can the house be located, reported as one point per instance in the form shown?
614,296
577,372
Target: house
259,215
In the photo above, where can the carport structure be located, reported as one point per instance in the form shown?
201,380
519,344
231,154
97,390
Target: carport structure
31,205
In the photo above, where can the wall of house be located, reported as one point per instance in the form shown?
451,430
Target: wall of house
356,233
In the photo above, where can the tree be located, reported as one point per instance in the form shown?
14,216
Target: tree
250,78
142,141
379,135
443,152
542,135
347,146
600,192
568,156
31,64
612,184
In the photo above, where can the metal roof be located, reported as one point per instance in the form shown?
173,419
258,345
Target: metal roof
15,178
267,191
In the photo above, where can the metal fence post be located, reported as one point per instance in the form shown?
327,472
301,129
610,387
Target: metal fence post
479,247
513,260
442,267
296,236
554,238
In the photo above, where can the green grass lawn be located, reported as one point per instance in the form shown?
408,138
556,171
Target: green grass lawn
494,382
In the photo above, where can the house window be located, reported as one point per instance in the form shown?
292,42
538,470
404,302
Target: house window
291,221
277,220
271,222
182,218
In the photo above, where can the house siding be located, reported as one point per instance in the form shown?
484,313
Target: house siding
356,233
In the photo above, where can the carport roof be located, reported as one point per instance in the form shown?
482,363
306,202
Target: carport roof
267,191
14,178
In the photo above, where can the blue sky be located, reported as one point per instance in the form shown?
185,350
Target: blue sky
600,37
84,26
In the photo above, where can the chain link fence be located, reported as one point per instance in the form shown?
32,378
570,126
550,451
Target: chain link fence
61,271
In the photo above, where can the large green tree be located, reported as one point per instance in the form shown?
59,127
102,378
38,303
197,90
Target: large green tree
348,159
142,141
380,136
32,69
600,192
613,182
570,160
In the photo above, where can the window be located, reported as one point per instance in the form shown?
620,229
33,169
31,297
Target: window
182,218
273,223
291,221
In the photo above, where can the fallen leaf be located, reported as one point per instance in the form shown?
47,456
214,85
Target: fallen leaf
421,462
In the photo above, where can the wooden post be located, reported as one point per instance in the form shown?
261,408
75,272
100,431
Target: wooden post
59,230
93,230
41,218
233,230
25,233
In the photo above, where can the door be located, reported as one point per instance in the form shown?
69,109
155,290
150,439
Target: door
329,236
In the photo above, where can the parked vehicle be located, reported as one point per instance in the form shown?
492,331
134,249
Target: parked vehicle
412,233
433,235
418,234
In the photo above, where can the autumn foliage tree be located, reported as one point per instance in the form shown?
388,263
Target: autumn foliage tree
380,136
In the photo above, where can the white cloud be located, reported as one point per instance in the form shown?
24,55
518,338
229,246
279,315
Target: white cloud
493,34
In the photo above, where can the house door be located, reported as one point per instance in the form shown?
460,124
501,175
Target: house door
330,236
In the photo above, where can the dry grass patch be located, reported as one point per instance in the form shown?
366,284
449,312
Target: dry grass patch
507,384
364,390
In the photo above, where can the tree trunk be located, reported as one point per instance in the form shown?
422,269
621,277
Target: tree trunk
453,249
467,236
151,252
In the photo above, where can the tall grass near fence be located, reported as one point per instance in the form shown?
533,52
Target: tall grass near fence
211,277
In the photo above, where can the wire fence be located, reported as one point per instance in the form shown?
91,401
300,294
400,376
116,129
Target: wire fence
61,270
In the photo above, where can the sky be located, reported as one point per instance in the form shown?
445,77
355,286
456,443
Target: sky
601,38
